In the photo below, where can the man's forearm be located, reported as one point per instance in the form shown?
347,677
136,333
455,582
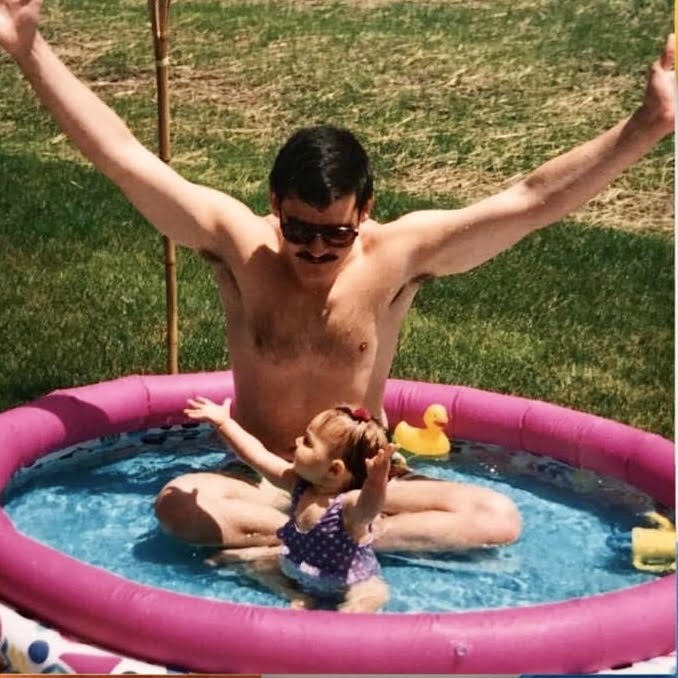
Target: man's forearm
94,127
565,183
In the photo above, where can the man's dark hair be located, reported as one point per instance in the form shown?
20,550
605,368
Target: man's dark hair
321,164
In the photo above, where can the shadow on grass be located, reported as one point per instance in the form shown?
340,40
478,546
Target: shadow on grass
566,275
578,316
57,199
82,279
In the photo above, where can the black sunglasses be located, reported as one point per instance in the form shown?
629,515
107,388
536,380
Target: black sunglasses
300,233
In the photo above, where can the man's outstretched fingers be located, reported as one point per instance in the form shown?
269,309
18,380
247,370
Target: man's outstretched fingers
668,57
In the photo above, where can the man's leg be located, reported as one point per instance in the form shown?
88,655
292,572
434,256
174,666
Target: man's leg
420,515
435,515
219,510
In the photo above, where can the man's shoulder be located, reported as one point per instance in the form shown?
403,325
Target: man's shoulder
386,238
373,232
244,232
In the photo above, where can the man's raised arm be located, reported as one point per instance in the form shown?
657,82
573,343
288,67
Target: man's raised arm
443,242
186,212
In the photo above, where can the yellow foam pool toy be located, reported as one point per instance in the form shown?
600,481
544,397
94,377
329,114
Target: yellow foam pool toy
430,441
654,548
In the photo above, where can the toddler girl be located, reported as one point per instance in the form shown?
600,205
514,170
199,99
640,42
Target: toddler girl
337,480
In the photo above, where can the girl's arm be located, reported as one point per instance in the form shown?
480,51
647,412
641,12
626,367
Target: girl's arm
362,508
246,446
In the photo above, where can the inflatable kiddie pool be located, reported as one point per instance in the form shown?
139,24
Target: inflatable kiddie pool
575,636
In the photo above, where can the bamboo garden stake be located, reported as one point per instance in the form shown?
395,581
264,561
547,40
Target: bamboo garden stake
159,11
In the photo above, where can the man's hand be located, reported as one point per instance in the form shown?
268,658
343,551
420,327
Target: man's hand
18,25
660,93
203,409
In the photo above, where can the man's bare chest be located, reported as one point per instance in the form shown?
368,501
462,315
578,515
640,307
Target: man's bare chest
337,330
271,320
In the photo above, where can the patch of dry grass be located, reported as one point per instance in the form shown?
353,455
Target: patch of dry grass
442,116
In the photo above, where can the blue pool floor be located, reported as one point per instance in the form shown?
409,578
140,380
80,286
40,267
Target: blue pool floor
96,505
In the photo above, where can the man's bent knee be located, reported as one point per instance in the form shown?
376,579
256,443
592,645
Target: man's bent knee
214,510
501,518
180,516
495,515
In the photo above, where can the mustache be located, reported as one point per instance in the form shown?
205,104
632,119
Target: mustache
307,256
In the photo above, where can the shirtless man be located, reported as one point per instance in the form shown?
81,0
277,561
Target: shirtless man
316,292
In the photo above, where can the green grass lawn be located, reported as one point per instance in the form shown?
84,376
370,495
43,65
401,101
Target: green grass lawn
453,100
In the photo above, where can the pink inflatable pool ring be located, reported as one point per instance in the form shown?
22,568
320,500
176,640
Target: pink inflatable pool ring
576,636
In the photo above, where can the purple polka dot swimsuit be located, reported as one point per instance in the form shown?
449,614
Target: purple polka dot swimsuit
324,561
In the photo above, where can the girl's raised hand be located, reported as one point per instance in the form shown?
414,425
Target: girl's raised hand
203,409
378,466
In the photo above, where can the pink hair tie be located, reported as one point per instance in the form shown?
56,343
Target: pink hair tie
361,414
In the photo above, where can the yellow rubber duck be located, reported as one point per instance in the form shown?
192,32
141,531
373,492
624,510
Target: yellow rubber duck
427,442
654,548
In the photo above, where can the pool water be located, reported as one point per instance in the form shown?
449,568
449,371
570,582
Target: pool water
94,502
